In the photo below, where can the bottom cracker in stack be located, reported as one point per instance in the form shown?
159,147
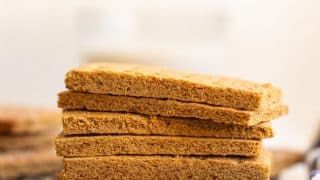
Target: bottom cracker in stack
126,145
26,142
167,167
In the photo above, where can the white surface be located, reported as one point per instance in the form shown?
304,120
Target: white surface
296,172
317,177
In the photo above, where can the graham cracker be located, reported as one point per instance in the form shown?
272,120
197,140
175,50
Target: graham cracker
92,122
27,142
84,146
167,167
27,120
150,106
29,163
154,82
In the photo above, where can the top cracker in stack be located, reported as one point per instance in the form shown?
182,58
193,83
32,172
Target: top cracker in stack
156,91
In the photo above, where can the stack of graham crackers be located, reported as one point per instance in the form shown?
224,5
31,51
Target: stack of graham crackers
126,121
27,142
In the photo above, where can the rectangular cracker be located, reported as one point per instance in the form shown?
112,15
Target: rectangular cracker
90,122
144,81
150,106
166,167
27,120
28,163
83,146
27,142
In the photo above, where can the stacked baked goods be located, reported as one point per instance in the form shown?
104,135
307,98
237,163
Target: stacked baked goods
125,121
27,142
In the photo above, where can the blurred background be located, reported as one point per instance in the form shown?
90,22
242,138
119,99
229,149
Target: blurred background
275,41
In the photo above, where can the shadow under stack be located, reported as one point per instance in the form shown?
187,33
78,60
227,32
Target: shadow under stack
126,121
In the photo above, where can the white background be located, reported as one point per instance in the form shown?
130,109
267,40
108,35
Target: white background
266,41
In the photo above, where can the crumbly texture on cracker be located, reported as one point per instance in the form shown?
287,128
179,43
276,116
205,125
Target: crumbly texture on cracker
27,142
29,163
91,122
165,167
150,106
145,81
27,120
83,146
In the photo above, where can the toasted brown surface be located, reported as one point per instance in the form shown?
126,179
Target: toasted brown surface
145,81
29,163
165,167
27,142
27,120
150,106
89,122
153,145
